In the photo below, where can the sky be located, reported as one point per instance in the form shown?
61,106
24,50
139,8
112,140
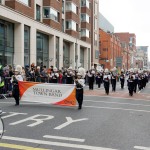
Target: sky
129,16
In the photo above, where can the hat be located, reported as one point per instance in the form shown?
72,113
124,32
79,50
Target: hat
70,68
92,67
106,70
122,70
81,71
18,69
79,74
55,69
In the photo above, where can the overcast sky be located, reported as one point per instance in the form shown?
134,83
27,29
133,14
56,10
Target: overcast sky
129,16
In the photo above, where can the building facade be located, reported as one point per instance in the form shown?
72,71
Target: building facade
55,32
110,50
105,25
94,6
142,57
129,41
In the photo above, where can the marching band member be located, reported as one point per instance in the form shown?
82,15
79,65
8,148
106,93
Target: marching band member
122,78
79,82
99,79
17,77
135,79
54,75
130,82
106,80
114,79
69,79
91,79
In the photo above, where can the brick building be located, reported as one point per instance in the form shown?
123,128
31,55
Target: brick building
110,50
55,32
129,42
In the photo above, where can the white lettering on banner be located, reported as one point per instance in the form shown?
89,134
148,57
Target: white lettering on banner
13,114
69,121
34,118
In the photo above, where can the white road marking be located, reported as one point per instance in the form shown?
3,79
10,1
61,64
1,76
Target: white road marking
13,114
132,98
34,118
111,108
64,138
142,148
87,147
116,103
69,121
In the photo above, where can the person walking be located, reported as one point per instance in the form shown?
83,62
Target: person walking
15,78
106,80
79,82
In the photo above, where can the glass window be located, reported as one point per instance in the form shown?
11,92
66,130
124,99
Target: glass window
57,52
85,18
42,52
6,42
95,24
85,3
71,7
96,9
25,2
63,25
63,6
82,57
51,13
85,33
26,45
38,13
71,25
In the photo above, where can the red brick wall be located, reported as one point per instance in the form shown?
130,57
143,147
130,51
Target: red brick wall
72,16
110,49
73,33
86,25
53,24
54,3
24,9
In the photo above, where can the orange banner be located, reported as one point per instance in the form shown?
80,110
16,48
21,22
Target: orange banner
57,94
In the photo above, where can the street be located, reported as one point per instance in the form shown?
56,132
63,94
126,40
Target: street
113,122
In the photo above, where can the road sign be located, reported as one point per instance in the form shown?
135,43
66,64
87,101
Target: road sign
119,61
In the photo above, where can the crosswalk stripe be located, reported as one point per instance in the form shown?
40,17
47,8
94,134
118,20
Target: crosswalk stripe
60,144
141,148
63,138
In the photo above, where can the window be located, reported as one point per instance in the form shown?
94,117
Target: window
96,9
71,7
71,25
6,42
57,52
63,25
42,52
26,45
95,24
25,2
85,18
63,6
51,13
38,13
85,33
95,39
85,3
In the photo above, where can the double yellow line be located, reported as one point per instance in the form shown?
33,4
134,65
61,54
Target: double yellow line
19,147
